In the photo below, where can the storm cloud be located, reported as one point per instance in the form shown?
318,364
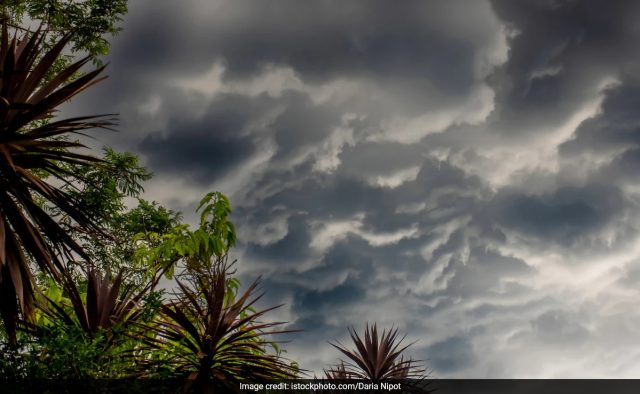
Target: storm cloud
465,171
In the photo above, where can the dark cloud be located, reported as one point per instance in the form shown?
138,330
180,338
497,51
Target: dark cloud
615,128
380,157
565,216
380,42
483,272
293,247
327,196
341,295
203,157
624,168
559,53
452,354
426,54
302,123
207,147
351,255
413,164
377,42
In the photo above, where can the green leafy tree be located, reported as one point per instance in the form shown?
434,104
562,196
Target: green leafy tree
197,248
90,22
96,327
124,230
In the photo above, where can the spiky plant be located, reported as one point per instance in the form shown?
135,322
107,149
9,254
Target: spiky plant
33,146
104,306
338,372
101,323
376,358
215,337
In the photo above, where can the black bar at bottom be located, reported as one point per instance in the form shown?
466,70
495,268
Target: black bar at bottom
437,386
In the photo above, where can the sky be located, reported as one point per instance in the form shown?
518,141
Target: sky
465,171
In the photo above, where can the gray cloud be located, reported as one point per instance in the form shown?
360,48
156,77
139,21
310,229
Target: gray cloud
209,146
560,52
465,171
451,354
292,247
560,328
565,216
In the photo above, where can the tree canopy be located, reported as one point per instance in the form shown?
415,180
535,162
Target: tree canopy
91,22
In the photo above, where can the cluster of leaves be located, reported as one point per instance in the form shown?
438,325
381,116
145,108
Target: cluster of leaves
28,234
205,330
104,194
376,357
90,21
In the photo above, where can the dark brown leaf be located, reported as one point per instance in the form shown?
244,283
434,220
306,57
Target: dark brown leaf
28,234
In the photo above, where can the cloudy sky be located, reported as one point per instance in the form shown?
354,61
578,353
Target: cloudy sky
463,170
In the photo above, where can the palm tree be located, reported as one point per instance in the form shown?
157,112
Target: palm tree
376,358
217,338
33,146
104,306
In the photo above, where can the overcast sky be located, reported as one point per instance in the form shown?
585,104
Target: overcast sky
466,171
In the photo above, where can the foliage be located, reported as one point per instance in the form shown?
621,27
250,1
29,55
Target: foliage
208,337
195,249
27,232
208,331
375,358
58,353
103,306
124,230
89,21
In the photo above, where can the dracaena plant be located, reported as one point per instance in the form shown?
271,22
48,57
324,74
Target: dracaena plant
104,306
338,372
208,336
34,145
376,357
101,320
98,324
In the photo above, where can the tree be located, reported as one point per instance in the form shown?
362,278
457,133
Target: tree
208,332
88,21
28,148
376,358
208,336
95,326
124,230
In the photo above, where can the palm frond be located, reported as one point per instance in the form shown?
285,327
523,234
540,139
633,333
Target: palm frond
106,305
338,372
376,357
216,340
30,145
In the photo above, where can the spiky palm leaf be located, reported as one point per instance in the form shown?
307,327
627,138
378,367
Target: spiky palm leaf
376,358
105,305
338,372
31,144
213,338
